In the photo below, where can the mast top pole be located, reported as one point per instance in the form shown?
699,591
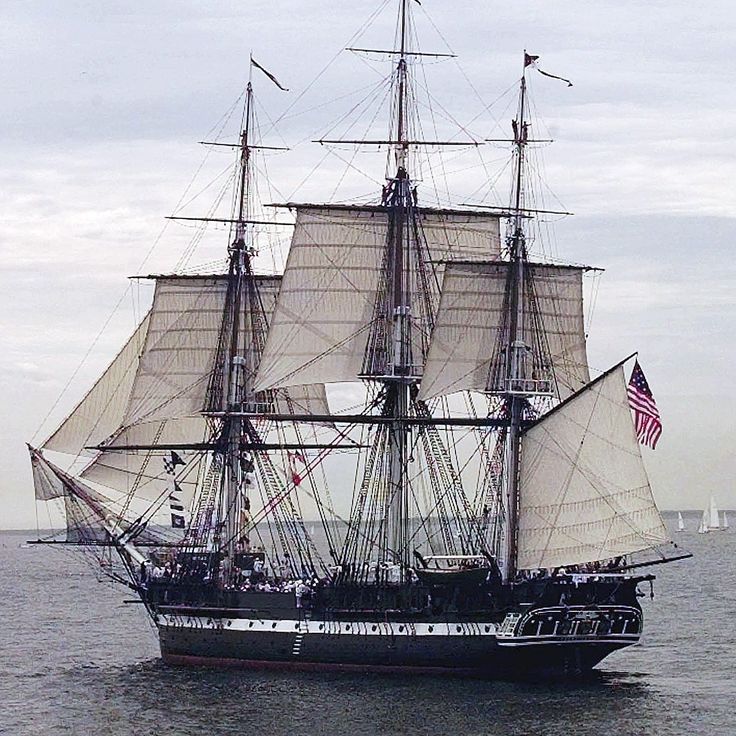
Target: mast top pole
521,137
402,144
244,187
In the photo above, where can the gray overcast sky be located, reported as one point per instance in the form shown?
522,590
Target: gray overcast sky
103,103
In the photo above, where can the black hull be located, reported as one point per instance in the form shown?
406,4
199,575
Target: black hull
467,649
542,664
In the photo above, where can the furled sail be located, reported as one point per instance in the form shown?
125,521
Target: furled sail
83,506
100,413
584,494
464,350
328,292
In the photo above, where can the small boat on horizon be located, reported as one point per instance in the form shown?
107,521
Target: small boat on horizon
704,528
711,519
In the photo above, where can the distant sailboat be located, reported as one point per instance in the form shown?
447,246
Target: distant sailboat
680,522
703,528
724,525
713,520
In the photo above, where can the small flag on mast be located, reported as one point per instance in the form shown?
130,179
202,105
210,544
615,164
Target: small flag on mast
646,415
171,462
268,74
176,508
531,60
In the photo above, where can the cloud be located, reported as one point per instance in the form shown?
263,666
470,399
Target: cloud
103,105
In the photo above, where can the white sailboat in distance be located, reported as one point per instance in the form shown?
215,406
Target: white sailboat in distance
724,524
704,528
714,522
680,522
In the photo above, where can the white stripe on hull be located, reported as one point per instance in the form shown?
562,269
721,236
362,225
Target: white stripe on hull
328,628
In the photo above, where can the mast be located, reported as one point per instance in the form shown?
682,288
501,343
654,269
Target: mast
399,379
515,396
238,373
402,146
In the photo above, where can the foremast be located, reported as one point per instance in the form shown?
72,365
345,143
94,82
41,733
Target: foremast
238,362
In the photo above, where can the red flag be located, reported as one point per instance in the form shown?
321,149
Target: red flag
296,478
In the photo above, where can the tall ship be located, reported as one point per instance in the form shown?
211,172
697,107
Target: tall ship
477,505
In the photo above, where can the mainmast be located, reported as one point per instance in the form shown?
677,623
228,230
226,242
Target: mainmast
399,378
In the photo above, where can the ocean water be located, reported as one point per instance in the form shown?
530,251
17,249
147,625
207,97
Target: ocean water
76,659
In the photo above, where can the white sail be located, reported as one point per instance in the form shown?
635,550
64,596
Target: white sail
100,413
51,482
703,528
92,516
464,348
181,346
328,291
713,515
584,493
680,522
724,525
47,485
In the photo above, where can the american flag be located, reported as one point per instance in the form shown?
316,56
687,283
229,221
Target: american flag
646,414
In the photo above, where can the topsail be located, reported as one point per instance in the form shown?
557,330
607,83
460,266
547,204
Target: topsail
326,306
470,337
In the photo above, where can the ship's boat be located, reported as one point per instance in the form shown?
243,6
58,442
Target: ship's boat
497,508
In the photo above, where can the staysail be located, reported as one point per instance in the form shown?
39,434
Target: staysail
100,413
323,318
467,345
584,493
